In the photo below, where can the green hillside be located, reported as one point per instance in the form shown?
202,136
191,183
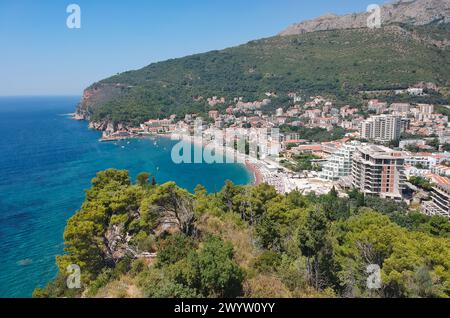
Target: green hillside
337,63
247,241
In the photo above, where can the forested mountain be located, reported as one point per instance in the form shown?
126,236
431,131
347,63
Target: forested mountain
149,240
336,62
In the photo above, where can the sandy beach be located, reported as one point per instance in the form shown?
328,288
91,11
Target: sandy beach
257,176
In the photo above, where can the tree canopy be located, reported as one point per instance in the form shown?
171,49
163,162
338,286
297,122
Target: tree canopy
162,241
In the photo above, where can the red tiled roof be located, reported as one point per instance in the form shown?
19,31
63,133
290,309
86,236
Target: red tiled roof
310,147
439,179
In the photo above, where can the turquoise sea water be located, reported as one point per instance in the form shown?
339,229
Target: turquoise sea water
46,161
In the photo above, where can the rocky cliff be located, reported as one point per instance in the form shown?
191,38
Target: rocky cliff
412,12
98,94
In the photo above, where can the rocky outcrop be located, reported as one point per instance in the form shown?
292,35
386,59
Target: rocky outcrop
96,96
117,244
413,12
107,126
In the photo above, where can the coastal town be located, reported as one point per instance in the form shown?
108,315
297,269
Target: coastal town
396,150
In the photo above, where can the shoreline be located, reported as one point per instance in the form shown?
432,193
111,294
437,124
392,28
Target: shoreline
257,175
258,170
242,159
96,157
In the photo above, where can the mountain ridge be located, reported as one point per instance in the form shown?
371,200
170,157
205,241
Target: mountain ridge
412,12
338,62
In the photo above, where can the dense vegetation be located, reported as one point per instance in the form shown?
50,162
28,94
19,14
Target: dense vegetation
247,241
315,134
421,183
336,63
302,162
443,110
435,32
433,145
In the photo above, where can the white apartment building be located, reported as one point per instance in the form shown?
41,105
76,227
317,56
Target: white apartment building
411,142
441,170
382,128
444,137
415,91
378,170
279,112
339,164
401,107
427,162
426,108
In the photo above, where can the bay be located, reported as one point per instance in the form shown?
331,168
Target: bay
47,160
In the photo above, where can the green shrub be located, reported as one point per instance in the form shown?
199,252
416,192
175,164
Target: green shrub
268,261
173,249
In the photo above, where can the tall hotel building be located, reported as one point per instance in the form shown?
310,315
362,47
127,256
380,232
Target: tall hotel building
382,128
378,170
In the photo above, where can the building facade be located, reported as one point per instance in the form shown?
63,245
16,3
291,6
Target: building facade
382,128
339,164
425,162
440,202
378,170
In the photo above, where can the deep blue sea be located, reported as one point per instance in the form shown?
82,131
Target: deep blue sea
47,160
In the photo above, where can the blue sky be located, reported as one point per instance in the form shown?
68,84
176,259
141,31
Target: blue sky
39,55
